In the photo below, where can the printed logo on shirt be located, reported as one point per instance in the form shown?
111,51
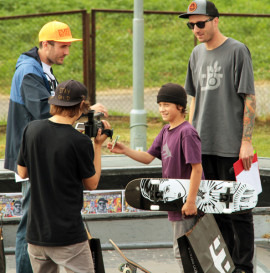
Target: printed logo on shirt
220,257
166,151
211,80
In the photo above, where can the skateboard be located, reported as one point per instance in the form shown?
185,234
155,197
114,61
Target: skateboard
129,266
214,196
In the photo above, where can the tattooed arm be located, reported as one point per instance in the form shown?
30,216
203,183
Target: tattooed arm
246,150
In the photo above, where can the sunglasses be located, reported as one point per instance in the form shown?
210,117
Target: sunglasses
200,24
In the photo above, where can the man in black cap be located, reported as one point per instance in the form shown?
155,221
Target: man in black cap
221,83
60,162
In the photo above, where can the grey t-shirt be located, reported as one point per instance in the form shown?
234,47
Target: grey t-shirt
218,79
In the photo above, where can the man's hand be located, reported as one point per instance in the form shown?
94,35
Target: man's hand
246,154
98,107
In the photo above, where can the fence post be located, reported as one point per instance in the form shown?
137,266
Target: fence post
86,53
92,76
138,123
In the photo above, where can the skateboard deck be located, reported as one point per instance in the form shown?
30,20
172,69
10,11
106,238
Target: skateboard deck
214,196
129,266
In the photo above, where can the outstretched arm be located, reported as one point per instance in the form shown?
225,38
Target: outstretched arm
139,156
246,150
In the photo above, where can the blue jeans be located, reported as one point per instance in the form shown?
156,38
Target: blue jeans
23,264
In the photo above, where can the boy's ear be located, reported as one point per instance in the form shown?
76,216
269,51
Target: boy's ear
179,107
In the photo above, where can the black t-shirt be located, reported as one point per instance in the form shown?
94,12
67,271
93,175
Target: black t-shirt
57,158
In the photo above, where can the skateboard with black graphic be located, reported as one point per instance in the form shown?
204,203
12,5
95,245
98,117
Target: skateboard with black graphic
214,196
129,266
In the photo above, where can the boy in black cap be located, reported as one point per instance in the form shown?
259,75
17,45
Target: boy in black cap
178,146
60,163
221,82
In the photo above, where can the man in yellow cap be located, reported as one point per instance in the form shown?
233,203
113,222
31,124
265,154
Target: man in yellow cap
32,85
54,41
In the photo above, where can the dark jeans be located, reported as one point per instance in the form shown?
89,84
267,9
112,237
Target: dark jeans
23,264
237,229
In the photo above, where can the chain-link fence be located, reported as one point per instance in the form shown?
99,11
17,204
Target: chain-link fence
19,34
168,44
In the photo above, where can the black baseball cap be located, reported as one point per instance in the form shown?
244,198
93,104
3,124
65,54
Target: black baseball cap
173,93
201,7
69,93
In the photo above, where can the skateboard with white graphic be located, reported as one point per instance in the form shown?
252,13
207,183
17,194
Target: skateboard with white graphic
214,196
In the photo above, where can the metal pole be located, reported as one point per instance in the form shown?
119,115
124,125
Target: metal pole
138,122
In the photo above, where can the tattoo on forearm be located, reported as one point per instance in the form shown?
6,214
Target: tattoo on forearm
249,117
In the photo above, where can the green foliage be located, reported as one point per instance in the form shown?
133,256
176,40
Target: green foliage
121,125
18,7
168,42
261,140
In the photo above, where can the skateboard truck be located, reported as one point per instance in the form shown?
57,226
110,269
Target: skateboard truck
227,197
156,194
127,268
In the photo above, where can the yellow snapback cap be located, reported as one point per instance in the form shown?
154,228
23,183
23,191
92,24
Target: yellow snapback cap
56,31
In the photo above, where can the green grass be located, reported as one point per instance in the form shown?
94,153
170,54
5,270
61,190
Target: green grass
261,140
8,8
2,145
168,42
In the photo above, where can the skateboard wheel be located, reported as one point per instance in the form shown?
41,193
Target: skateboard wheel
154,207
127,270
227,211
228,185
155,182
121,267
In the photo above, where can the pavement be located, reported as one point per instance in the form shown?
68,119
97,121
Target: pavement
158,260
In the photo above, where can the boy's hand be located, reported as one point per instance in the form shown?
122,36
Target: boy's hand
100,138
189,209
117,149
